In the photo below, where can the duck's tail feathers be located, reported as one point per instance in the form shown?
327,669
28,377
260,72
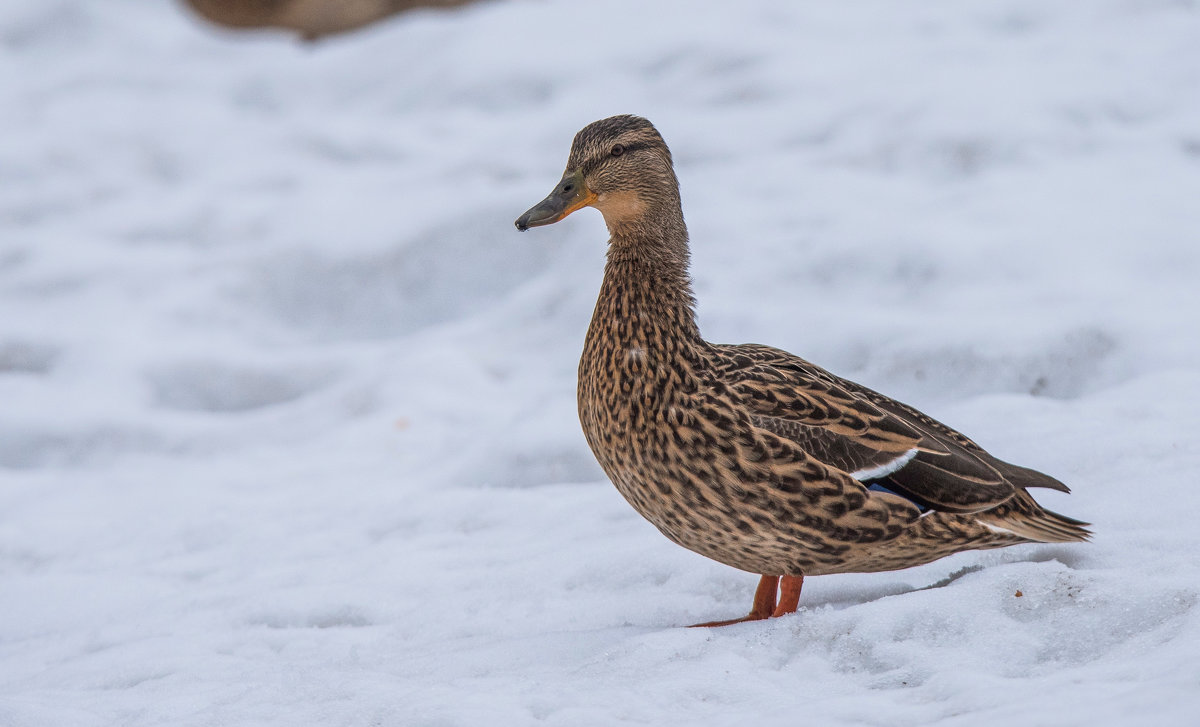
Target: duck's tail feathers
1023,517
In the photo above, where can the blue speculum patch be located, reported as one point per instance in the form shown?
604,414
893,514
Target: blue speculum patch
875,486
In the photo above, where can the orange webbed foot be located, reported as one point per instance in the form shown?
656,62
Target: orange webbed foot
789,595
764,600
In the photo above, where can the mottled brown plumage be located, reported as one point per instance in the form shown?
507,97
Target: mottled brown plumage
311,19
747,454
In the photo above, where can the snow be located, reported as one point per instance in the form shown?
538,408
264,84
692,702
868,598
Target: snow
287,419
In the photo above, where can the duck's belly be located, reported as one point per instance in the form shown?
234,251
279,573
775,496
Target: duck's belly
667,471
718,515
757,535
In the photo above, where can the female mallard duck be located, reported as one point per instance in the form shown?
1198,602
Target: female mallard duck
747,454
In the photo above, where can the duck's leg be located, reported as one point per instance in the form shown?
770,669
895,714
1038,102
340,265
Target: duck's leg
789,595
764,603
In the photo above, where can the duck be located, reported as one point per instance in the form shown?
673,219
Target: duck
747,454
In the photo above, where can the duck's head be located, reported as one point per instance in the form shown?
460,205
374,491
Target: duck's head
619,165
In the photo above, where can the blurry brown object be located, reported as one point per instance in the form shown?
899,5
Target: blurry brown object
311,19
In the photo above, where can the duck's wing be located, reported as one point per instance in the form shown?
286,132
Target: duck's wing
875,439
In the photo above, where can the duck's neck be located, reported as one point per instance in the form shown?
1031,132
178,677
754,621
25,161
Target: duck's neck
643,347
646,296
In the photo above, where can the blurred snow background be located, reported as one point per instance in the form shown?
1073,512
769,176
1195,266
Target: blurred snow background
287,421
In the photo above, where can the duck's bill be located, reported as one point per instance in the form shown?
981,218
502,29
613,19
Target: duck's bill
570,194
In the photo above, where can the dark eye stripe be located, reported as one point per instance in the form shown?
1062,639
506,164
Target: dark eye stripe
635,146
590,166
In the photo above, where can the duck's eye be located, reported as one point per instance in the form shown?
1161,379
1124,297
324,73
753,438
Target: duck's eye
617,150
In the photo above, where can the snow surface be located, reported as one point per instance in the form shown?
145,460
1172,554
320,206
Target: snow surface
287,420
